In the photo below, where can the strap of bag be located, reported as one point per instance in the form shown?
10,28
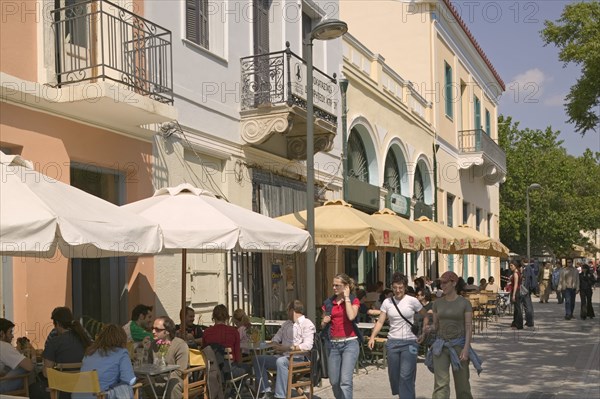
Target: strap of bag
398,309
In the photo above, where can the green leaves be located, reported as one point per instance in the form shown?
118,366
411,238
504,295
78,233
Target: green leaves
568,202
577,35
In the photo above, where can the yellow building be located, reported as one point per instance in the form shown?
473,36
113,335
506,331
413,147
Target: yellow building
429,44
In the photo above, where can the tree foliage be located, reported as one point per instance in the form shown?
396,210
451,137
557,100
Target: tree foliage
568,201
577,34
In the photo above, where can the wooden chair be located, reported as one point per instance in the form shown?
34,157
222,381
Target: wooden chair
299,375
475,304
24,391
78,382
231,381
195,377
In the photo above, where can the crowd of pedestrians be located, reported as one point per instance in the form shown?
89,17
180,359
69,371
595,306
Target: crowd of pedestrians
444,326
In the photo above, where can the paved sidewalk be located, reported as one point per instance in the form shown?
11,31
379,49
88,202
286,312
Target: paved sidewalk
558,358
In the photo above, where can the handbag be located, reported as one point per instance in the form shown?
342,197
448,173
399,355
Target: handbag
523,290
413,327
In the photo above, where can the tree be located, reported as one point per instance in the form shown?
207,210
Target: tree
577,34
566,204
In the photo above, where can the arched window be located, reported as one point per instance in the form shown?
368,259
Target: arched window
358,166
391,174
419,192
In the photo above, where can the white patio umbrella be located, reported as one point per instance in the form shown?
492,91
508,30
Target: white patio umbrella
192,218
39,214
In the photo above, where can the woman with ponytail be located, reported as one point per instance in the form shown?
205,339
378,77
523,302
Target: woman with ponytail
343,338
70,343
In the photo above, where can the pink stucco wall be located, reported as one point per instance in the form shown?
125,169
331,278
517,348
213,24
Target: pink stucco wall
52,143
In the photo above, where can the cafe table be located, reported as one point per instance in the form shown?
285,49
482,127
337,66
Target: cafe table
151,371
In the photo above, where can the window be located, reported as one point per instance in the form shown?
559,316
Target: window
478,219
488,123
465,213
196,22
307,25
489,224
448,92
450,210
391,174
477,105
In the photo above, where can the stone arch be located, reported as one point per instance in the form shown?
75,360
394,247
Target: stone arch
364,132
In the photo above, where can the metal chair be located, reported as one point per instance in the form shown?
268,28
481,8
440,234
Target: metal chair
236,383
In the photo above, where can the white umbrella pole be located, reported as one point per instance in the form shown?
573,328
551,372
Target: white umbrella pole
183,289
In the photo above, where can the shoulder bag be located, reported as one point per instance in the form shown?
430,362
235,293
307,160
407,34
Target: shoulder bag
413,327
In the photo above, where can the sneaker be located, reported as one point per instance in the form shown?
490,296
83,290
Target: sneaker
266,395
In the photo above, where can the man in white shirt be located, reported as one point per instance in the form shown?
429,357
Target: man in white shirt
12,363
296,334
491,285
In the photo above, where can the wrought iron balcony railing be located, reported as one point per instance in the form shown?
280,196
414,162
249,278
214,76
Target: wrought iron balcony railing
472,141
280,78
97,39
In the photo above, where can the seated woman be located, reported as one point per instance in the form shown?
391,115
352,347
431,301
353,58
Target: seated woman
109,357
226,336
70,343
242,322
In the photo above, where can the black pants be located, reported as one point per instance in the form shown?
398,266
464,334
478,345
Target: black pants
517,312
587,310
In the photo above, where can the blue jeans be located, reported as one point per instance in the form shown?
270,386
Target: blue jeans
340,365
13,385
569,295
267,362
402,366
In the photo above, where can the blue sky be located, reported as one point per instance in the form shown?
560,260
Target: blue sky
536,82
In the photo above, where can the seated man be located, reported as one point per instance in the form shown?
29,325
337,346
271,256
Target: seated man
297,333
491,286
139,327
193,332
471,287
12,363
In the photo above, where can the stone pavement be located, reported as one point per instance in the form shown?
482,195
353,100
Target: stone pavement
558,358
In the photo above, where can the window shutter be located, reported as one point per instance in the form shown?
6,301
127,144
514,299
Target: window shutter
192,21
203,19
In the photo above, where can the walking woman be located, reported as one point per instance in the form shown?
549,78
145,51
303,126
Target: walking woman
452,321
401,345
343,337
515,297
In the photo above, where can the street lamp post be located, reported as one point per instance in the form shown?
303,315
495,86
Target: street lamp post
533,186
343,89
326,30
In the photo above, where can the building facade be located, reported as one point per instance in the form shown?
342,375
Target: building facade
449,69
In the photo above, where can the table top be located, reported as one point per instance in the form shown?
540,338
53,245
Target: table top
256,346
270,323
153,369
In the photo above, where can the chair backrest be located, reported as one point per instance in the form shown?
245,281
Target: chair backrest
81,382
299,374
68,367
196,358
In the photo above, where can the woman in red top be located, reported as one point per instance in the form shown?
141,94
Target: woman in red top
339,313
515,297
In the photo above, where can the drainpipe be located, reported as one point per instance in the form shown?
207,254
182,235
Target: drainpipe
343,89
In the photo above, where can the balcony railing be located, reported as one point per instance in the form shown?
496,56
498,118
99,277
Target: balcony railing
98,40
471,141
280,78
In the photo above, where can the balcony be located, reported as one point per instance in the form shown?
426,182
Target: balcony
479,150
273,104
112,68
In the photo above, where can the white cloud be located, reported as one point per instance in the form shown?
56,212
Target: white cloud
556,100
528,87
